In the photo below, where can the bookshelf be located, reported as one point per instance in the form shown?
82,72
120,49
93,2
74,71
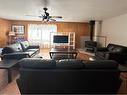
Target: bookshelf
71,40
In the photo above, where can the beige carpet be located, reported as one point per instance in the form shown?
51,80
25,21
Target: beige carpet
12,88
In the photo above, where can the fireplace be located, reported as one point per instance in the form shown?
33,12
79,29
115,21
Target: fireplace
90,46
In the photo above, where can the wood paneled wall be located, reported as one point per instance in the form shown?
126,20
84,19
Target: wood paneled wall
5,27
81,29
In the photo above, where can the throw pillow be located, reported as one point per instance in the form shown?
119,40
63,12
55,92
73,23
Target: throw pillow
25,45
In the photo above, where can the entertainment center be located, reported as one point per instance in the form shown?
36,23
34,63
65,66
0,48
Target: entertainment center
62,40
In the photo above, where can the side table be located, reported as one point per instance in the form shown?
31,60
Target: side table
8,64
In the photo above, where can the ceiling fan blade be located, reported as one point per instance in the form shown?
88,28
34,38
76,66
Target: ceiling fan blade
46,16
40,16
56,16
52,19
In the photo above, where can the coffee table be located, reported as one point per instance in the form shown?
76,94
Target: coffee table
8,64
63,52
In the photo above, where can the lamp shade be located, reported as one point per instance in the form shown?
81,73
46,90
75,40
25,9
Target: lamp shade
11,33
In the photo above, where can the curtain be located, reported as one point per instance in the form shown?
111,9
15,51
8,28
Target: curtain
40,34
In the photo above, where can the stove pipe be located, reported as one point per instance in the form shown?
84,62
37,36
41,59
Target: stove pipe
91,27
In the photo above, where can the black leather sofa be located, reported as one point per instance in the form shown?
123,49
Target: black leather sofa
20,50
112,52
41,76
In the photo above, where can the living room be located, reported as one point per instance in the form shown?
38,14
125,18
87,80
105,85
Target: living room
100,21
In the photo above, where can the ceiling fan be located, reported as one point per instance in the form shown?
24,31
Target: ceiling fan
46,17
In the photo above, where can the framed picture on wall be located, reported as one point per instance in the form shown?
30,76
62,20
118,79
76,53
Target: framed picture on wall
19,29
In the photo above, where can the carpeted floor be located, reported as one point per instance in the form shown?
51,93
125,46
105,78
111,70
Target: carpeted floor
12,88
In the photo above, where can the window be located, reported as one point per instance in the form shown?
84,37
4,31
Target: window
40,34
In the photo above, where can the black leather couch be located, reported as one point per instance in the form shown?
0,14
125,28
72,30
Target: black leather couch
112,52
20,50
67,76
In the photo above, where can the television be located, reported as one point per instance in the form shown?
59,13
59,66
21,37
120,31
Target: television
90,45
60,39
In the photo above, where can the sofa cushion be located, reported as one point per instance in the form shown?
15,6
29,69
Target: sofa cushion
69,64
117,48
12,48
37,63
110,47
16,47
101,64
7,50
25,45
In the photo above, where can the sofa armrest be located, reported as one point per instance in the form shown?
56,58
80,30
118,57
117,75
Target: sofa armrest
15,56
103,49
119,57
117,54
33,47
101,64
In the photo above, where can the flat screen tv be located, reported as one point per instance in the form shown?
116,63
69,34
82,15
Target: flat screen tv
60,39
